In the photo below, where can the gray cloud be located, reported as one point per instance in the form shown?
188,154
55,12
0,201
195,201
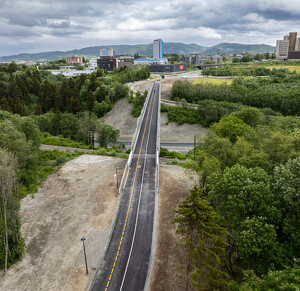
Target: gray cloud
65,24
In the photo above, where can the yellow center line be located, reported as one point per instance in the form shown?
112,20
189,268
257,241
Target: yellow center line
131,194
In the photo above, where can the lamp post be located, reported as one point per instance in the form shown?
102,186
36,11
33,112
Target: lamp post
83,239
117,175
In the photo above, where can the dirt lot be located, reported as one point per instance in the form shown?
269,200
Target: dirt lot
168,272
120,117
79,200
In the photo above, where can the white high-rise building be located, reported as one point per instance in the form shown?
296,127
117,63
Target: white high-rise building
282,49
297,47
158,49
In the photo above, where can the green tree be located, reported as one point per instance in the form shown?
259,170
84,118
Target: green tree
75,105
287,279
251,116
91,100
11,246
258,245
15,141
240,193
203,240
101,108
106,133
87,127
230,127
286,186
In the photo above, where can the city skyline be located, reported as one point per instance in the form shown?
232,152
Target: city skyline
36,26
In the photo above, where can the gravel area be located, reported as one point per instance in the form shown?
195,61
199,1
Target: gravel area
120,117
77,201
169,264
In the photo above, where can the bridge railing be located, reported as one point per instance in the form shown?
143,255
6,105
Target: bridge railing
139,122
158,138
135,137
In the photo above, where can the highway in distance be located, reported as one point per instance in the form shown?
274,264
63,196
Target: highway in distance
126,262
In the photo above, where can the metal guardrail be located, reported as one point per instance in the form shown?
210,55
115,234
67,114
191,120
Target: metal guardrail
135,136
158,138
140,120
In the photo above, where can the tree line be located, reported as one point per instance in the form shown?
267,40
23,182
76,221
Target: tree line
28,91
240,223
281,94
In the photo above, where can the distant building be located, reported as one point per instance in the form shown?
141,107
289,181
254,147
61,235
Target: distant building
109,52
294,56
289,44
150,61
107,63
74,60
292,41
122,64
191,59
169,68
72,73
92,64
282,49
158,49
107,59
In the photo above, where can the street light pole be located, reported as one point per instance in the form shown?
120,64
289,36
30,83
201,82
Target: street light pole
117,175
86,267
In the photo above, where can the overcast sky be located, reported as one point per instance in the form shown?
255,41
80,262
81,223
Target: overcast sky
47,25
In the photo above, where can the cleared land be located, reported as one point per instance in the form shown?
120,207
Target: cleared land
121,118
214,81
291,68
169,263
79,200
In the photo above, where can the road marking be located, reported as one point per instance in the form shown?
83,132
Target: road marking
137,214
138,166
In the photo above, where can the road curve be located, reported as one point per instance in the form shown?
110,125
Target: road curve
126,262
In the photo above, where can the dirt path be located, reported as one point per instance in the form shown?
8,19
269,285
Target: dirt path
79,200
168,272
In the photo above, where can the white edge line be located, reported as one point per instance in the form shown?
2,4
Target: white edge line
137,214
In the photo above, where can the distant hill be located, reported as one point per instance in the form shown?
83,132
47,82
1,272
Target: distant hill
230,48
141,49
92,52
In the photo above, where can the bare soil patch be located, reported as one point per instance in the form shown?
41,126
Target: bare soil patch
79,200
173,132
169,265
121,118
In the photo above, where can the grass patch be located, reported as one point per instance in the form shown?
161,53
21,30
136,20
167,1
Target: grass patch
172,155
47,162
64,142
214,81
291,68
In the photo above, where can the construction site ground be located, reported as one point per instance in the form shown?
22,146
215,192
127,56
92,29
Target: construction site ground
79,200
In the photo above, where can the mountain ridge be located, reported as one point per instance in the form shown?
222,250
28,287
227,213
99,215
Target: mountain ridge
141,49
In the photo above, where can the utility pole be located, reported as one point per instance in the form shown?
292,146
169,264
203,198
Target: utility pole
194,147
117,175
86,267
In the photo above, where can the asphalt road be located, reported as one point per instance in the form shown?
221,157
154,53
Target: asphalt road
171,146
126,262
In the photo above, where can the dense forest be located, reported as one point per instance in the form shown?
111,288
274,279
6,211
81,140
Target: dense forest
34,105
240,224
280,92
